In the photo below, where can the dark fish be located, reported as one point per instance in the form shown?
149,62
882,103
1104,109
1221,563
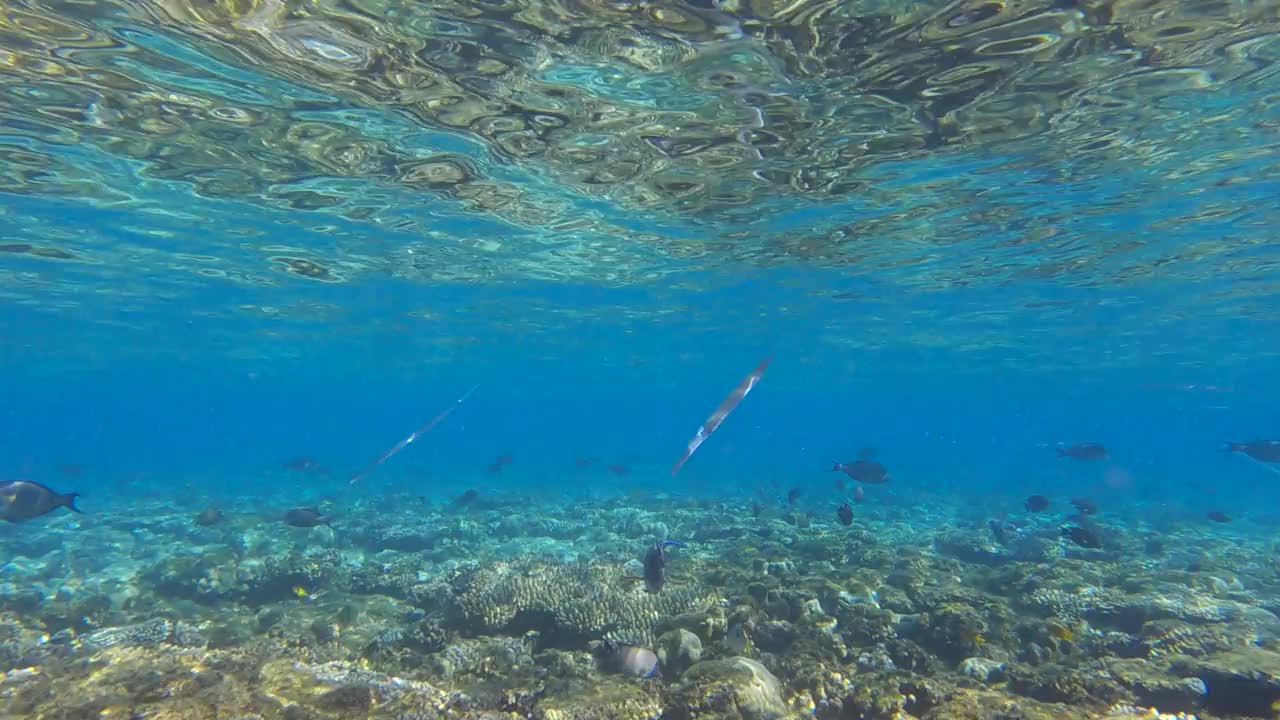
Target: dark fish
209,516
845,513
306,518
585,461
23,499
864,471
859,495
794,494
1267,451
756,508
1086,536
1085,506
998,531
467,497
501,460
305,465
1084,451
619,470
655,566
1037,503
1219,517
71,470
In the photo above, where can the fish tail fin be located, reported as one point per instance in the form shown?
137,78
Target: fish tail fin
69,502
1061,452
1230,446
835,466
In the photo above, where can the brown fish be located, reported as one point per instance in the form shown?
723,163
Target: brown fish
305,465
23,500
209,516
845,514
864,469
1084,451
306,518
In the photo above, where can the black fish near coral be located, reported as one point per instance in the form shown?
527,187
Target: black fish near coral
655,566
23,500
1219,517
306,518
1084,451
845,514
1036,503
1085,535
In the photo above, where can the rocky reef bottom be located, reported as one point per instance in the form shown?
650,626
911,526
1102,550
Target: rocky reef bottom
505,608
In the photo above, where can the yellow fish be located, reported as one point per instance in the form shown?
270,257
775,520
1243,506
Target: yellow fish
300,591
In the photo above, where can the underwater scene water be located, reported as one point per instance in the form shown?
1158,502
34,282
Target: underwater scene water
585,360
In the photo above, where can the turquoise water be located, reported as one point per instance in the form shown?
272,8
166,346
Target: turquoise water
967,234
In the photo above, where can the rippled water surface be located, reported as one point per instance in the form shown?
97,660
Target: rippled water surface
880,174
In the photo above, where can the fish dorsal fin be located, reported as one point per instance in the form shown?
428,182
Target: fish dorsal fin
866,453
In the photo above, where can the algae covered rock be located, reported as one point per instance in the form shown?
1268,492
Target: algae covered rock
1243,682
678,649
731,689
602,699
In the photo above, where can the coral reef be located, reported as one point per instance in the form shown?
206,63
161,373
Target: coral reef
446,613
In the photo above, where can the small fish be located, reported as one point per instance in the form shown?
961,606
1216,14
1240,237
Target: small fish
583,462
70,470
619,470
794,494
1267,451
1085,506
864,469
630,659
859,495
209,516
467,497
1084,451
305,465
845,514
998,531
1036,503
499,462
737,639
23,500
301,592
1086,536
1219,517
306,518
655,566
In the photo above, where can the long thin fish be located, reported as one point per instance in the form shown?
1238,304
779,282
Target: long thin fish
721,413
416,434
